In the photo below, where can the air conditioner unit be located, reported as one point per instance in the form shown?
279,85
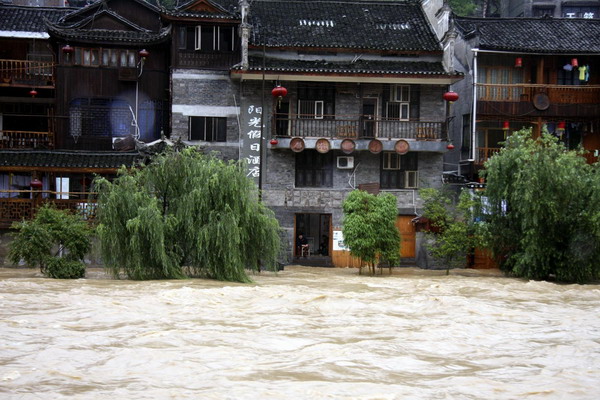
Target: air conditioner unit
345,162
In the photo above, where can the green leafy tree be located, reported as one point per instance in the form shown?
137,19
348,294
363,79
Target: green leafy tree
185,214
543,210
56,241
452,230
369,228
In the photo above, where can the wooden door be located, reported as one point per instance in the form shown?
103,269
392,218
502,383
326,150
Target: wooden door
407,235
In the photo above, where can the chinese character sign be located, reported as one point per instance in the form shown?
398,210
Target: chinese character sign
251,140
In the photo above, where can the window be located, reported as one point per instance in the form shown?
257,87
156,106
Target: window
310,109
207,38
399,105
543,11
316,101
314,169
105,57
99,117
208,129
500,75
399,172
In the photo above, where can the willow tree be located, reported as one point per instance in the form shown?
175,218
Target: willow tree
183,215
543,210
370,230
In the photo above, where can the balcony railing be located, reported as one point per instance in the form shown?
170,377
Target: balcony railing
357,128
22,72
557,94
26,140
484,153
19,205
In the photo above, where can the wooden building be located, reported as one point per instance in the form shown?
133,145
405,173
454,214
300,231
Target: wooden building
538,73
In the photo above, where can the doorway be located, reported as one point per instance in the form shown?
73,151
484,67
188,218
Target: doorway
316,228
369,113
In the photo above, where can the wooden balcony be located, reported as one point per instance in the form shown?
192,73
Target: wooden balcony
26,140
556,100
557,94
27,73
340,127
484,153
19,205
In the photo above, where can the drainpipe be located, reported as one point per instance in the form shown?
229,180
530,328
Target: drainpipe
474,112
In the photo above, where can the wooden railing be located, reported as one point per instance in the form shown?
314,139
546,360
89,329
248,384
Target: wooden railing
560,94
219,61
24,72
357,128
19,205
26,140
484,153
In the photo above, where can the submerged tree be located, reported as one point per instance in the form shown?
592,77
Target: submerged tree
56,241
543,210
370,228
185,214
452,230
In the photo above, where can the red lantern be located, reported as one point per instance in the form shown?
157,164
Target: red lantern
450,146
33,92
505,126
561,126
574,63
279,92
66,49
36,184
450,96
274,142
144,54
518,62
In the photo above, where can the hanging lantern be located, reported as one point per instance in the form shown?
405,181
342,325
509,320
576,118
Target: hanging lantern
574,63
33,92
279,92
35,184
518,62
450,146
561,127
450,96
274,142
506,126
66,49
144,54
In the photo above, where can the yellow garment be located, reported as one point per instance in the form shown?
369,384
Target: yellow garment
582,72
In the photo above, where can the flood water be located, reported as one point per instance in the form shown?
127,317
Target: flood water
305,333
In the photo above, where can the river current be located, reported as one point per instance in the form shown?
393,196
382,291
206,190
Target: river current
305,333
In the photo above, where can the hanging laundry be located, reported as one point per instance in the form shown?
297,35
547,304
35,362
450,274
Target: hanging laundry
582,71
568,67
587,73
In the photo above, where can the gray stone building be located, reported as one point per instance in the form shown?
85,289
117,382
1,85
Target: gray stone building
551,8
321,100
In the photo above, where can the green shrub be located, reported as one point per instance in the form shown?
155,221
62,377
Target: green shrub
63,268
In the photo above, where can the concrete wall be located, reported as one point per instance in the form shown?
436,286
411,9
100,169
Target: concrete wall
198,93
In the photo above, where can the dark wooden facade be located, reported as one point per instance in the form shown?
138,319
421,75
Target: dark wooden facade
106,90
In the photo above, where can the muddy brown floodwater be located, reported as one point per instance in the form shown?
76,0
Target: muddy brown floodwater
306,333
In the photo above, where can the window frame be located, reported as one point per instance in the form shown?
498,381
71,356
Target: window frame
404,171
313,169
216,125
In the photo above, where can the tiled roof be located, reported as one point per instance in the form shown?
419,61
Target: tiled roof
66,159
541,35
29,19
227,9
379,25
347,67
113,36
